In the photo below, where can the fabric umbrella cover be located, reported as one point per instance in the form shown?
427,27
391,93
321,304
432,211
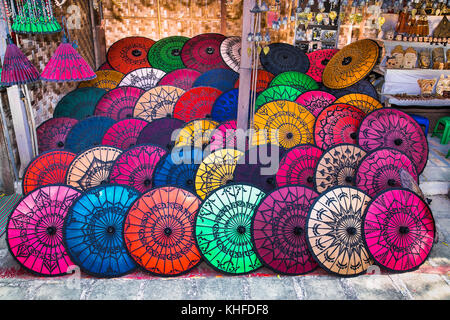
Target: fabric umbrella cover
362,101
196,103
7,205
315,101
226,106
129,54
276,93
124,134
362,86
284,57
106,79
52,133
181,78
79,104
230,50
144,78
196,133
263,79
159,132
295,79
225,137
118,104
165,54
318,60
222,79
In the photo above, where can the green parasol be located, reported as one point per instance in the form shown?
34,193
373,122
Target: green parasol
7,205
277,93
296,80
165,53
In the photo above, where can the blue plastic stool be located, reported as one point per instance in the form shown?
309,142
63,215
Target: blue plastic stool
422,121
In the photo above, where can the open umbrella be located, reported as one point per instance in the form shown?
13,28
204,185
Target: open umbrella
279,230
106,79
284,57
295,79
7,205
334,234
129,54
263,80
93,231
230,50
196,103
92,167
144,78
399,230
222,79
337,167
105,66
223,228
124,134
118,104
362,86
196,133
181,78
159,132
226,106
35,230
165,54
318,60
78,104
135,167
362,101
276,93
225,136
52,133
315,101
159,231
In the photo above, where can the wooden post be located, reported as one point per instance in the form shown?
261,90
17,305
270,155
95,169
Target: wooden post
223,16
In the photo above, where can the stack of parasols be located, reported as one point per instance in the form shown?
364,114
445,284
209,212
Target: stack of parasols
143,166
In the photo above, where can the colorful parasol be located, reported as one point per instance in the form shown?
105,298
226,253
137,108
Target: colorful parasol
337,124
160,131
118,104
159,231
318,60
196,133
362,87
297,80
226,106
105,66
88,133
47,168
284,57
337,167
196,103
230,50
298,166
277,93
165,54
124,134
202,52
334,231
157,103
381,169
52,133
216,170
7,205
135,167
129,54
144,78
181,78
79,103
92,167
263,80
35,230
93,231
315,101
362,101
279,230
225,137
393,128
106,79
222,79
399,230
223,229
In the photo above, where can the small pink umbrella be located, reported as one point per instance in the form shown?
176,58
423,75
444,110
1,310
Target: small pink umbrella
119,103
315,101
224,137
124,134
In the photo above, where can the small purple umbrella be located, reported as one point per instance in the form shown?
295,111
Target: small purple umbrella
52,133
159,132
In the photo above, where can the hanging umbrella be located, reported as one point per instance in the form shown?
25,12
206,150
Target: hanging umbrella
279,230
223,229
178,168
157,103
124,134
318,60
47,168
362,101
362,86
202,52
7,205
334,234
159,132
285,123
226,136
196,133
297,80
93,231
196,103
79,103
222,79
284,57
351,64
216,170
88,133
92,167
277,93
52,133
263,80
165,54
135,167
105,66
225,107
398,230
336,124
34,17
144,78
181,78
381,169
161,240
298,166
393,128
129,54
35,230
106,79
315,101
118,104
338,166
230,50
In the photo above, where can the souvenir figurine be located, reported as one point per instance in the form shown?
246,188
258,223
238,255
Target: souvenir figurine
424,59
438,58
426,86
410,58
443,85
398,53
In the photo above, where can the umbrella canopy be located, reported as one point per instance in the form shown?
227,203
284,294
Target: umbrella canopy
157,103
93,231
393,128
318,60
124,134
7,205
91,167
284,57
118,104
279,230
315,101
298,166
263,80
337,124
181,78
135,167
295,79
159,231
202,52
88,133
106,79
165,54
47,168
144,78
225,136
129,54
222,79
337,167
381,169
276,93
362,86
230,50
196,103
225,107
223,228
399,230
35,230
52,133
105,66
78,104
334,234
362,101
159,132
196,133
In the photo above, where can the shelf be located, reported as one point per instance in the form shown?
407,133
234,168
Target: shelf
427,71
430,102
393,43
